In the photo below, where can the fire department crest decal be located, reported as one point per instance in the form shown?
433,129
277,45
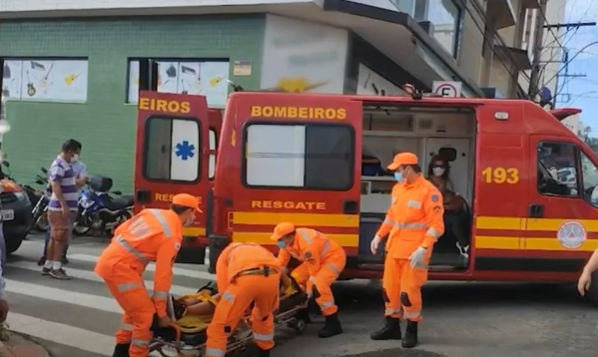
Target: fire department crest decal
571,234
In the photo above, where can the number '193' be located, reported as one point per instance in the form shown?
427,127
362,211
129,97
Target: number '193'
501,175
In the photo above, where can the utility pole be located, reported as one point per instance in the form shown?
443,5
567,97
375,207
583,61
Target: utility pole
537,53
566,60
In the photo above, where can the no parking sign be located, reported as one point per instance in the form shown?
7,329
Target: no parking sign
447,88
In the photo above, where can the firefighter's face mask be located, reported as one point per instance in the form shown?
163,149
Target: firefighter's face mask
281,244
285,241
188,217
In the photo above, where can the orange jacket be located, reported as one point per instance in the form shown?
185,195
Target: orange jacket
151,235
314,248
415,219
238,257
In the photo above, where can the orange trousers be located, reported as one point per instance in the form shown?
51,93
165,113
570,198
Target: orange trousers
259,289
401,286
139,310
323,281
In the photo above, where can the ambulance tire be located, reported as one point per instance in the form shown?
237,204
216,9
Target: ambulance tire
592,294
192,255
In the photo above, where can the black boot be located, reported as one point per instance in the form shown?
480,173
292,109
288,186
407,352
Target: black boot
262,353
121,350
332,327
390,331
410,339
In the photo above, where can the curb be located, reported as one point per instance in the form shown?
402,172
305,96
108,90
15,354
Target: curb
22,346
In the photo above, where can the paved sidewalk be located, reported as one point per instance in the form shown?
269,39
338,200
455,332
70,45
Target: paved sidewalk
18,346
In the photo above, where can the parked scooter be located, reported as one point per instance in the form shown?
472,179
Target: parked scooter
100,209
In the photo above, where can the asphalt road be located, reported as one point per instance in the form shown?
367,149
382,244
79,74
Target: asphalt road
78,317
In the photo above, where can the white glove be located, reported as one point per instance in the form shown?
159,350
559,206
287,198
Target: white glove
374,244
417,257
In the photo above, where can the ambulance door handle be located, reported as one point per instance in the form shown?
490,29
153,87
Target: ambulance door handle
350,207
536,211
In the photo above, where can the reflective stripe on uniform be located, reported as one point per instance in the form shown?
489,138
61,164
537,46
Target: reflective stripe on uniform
405,226
215,352
333,268
433,232
228,296
389,312
414,204
123,243
127,327
138,342
411,314
305,235
326,248
326,304
163,222
160,295
128,286
263,336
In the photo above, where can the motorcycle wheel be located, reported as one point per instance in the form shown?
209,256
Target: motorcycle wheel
81,229
124,216
42,224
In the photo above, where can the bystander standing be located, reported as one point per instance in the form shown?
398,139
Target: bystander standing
80,170
63,207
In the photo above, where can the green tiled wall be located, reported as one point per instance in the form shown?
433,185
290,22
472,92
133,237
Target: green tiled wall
105,124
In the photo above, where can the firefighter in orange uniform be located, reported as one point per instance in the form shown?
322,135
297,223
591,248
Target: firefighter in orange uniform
322,262
413,224
245,273
151,235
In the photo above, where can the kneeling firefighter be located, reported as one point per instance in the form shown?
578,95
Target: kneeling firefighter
322,262
246,273
151,235
413,223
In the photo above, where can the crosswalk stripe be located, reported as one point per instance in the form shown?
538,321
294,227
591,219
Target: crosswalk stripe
65,296
151,267
91,276
63,334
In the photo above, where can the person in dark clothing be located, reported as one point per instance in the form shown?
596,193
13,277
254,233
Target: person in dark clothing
454,204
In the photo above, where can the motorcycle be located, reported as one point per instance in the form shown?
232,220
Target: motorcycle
40,200
102,211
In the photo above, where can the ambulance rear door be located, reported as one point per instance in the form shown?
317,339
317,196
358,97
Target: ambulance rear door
172,154
300,163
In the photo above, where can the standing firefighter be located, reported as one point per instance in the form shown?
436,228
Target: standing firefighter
413,224
246,273
322,262
151,235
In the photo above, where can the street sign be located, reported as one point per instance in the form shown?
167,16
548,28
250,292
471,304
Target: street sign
447,88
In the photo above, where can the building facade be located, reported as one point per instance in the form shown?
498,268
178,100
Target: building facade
553,54
71,66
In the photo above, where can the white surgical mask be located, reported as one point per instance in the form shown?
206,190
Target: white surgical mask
189,221
438,171
75,158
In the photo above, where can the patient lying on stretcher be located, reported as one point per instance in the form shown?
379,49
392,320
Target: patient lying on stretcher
193,312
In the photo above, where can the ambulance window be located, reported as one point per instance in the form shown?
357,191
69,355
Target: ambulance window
312,156
557,169
213,144
590,180
171,149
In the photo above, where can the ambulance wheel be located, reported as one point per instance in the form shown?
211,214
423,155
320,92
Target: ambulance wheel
592,294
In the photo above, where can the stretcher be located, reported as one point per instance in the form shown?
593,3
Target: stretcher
188,335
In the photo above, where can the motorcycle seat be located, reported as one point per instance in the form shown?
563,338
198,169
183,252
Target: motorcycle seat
120,202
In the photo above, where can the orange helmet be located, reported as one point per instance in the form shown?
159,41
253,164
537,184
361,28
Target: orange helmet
281,230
